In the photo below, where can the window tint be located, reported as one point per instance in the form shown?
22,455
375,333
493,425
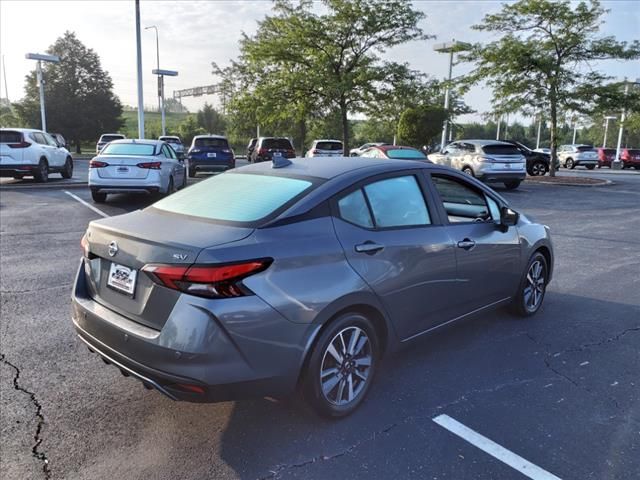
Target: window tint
211,142
279,143
397,202
174,140
128,149
110,138
494,209
353,208
462,202
10,137
585,148
329,145
38,138
49,139
235,197
405,153
172,153
497,149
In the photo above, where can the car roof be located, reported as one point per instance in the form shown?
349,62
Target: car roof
210,136
482,142
119,134
327,140
328,167
168,136
385,148
29,130
137,140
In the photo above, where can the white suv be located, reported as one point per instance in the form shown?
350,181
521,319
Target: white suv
570,156
326,148
26,152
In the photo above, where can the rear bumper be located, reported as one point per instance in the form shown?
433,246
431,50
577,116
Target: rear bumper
582,161
222,356
501,176
12,170
208,166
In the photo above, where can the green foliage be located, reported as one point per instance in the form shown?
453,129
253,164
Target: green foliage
419,126
8,116
541,62
303,64
211,120
80,102
189,128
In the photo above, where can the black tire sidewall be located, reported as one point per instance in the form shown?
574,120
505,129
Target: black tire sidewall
42,176
68,169
519,306
312,388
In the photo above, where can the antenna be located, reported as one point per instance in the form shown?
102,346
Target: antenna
278,161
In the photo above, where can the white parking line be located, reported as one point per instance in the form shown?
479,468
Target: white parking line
88,205
488,446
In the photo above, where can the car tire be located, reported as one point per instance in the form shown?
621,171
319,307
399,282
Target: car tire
512,185
590,167
67,171
336,388
171,188
468,171
192,173
42,174
637,167
538,169
98,197
569,163
533,287
184,180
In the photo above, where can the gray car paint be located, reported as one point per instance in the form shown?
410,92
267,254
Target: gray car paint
257,344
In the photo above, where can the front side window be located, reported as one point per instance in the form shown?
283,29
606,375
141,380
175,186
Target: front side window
136,149
235,197
397,202
353,208
461,201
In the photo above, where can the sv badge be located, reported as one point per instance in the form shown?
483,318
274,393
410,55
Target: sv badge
180,256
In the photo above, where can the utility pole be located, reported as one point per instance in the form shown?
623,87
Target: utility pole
606,129
4,72
139,62
498,129
42,58
539,129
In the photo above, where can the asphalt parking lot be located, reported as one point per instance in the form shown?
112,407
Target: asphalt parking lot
560,390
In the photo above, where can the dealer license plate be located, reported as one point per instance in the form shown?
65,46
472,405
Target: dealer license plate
122,278
211,155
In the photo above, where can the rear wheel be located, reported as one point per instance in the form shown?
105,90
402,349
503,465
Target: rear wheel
538,169
98,197
67,171
342,366
171,187
41,175
590,167
468,171
533,287
512,185
192,172
569,163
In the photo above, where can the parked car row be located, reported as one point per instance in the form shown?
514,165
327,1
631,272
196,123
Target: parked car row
630,157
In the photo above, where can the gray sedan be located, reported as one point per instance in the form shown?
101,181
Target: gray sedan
300,274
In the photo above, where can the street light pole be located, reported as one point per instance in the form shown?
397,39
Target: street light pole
575,130
617,163
606,128
161,74
139,61
42,58
450,48
160,87
498,129
539,129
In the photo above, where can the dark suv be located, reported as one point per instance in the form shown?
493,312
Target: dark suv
267,146
210,153
537,162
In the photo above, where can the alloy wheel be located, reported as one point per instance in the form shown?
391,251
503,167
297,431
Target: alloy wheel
538,169
534,286
346,366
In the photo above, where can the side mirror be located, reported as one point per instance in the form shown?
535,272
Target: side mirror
508,217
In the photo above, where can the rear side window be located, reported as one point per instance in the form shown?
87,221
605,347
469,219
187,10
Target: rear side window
8,136
353,208
329,145
397,202
461,202
129,149
498,149
211,142
235,197
280,143
405,153
171,140
585,148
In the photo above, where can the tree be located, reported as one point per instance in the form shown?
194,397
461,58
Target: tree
542,61
189,128
418,126
331,58
211,120
80,102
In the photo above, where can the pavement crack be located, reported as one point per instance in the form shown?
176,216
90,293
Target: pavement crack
559,373
585,346
36,452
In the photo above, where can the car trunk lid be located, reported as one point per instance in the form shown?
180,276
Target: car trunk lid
121,246
125,167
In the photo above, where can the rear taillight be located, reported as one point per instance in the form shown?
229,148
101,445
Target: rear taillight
97,164
150,165
315,151
21,144
84,244
262,151
211,281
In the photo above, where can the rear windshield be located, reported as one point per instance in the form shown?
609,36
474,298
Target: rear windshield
632,151
111,138
585,148
608,151
281,143
235,197
10,137
498,149
211,142
329,145
128,149
405,153
171,140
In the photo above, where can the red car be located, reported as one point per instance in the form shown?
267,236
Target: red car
605,156
630,157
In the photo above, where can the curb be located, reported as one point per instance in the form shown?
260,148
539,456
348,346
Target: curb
46,186
602,183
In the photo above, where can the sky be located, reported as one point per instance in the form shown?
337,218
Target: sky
192,34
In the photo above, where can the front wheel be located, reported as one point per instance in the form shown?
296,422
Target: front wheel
533,287
171,187
512,185
468,171
98,197
342,366
67,171
570,163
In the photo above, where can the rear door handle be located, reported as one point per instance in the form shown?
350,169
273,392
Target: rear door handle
467,244
369,248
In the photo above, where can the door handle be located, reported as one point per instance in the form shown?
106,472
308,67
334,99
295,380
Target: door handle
467,244
368,247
